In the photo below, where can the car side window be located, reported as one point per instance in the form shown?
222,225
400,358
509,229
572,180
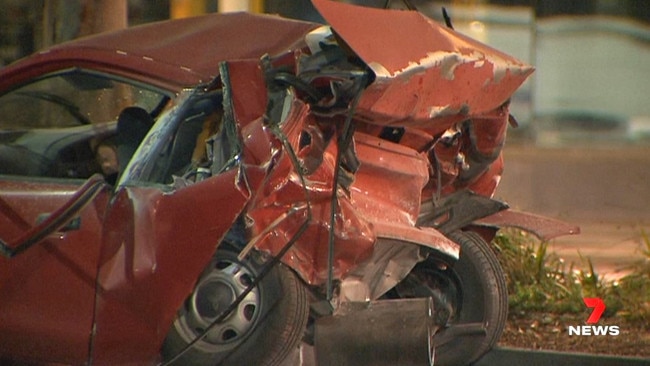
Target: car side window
52,126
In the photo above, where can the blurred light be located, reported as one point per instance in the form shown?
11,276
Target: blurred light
186,8
477,27
233,5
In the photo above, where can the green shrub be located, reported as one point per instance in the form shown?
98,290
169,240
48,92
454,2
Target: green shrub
542,281
632,292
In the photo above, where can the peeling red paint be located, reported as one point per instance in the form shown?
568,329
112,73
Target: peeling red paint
424,71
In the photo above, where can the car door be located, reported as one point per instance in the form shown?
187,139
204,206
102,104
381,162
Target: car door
50,233
52,205
163,225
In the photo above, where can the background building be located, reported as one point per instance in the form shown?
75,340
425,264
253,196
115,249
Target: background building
592,56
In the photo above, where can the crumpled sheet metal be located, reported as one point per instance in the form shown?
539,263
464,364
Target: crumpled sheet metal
389,181
423,70
143,276
374,210
545,228
393,258
383,200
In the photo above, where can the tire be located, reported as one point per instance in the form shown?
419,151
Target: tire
473,289
263,330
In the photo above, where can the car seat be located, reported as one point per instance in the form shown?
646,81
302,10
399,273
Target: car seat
133,124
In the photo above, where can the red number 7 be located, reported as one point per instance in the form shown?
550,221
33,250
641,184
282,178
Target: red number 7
599,308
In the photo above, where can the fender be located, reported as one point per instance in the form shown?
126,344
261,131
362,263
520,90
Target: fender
545,228
485,215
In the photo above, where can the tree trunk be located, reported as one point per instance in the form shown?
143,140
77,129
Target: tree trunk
64,20
99,16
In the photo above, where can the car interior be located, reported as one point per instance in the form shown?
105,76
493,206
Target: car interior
51,126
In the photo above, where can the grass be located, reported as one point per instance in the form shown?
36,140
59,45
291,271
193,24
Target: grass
541,281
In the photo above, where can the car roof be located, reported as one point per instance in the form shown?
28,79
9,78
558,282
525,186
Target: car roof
173,53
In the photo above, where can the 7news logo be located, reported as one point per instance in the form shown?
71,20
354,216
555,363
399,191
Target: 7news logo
594,330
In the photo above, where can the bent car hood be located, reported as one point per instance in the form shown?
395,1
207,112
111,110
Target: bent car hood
423,70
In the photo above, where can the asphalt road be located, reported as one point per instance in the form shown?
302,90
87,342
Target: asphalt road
511,356
602,189
610,246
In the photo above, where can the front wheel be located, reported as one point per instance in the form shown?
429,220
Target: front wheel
473,290
262,330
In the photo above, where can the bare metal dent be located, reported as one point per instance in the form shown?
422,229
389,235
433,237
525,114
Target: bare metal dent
545,228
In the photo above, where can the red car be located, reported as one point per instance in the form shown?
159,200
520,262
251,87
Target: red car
187,191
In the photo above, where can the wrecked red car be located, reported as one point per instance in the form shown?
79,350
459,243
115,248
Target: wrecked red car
275,182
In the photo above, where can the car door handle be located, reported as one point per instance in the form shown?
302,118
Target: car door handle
55,221
74,224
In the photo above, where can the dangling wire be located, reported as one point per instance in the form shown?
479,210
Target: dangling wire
343,144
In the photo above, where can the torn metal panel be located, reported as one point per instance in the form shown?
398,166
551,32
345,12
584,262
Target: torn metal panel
392,259
354,240
388,184
423,70
486,183
485,137
468,155
250,102
143,274
544,228
457,210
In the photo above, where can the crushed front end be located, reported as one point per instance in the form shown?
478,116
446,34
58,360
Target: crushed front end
363,163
